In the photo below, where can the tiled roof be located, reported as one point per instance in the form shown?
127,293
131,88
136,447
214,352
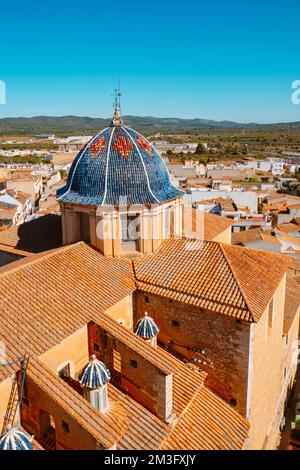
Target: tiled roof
197,408
246,236
292,303
252,236
54,294
133,426
145,430
288,227
62,290
205,225
35,236
231,280
107,428
208,424
118,163
184,378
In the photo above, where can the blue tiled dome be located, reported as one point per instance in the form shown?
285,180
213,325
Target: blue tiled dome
146,328
118,163
95,374
14,439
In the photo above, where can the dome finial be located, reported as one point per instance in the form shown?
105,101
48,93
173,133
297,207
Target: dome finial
117,118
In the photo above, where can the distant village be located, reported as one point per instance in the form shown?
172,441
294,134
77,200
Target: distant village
250,193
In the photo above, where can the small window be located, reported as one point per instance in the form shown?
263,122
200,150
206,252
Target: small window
96,347
146,299
175,323
270,316
64,373
232,402
65,427
133,363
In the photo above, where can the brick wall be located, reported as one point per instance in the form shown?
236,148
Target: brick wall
225,341
144,380
34,419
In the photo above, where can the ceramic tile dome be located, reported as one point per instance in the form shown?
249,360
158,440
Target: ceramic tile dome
146,328
95,374
14,439
118,167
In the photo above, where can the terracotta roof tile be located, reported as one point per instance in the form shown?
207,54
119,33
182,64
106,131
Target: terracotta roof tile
35,236
184,377
288,227
60,291
228,279
107,428
247,237
54,294
209,225
208,424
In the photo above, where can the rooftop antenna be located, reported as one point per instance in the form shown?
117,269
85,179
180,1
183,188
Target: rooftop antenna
117,119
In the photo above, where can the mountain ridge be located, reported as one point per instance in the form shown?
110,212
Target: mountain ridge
66,123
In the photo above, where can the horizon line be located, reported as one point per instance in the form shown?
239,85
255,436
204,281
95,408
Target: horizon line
153,117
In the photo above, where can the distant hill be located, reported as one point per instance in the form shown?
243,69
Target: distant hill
84,124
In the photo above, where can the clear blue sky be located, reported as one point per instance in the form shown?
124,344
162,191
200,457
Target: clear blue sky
213,59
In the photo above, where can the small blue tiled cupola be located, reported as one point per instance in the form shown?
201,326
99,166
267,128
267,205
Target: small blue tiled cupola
146,328
14,439
94,380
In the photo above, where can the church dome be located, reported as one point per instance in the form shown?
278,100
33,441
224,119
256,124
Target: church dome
146,328
95,374
14,439
118,167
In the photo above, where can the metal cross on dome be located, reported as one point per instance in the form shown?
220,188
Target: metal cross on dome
117,119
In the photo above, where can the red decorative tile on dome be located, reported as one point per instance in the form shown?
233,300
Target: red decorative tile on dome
97,146
145,146
122,146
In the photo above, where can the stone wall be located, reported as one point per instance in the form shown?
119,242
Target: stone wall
224,340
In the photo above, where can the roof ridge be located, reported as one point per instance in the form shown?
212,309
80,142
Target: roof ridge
35,258
222,247
182,292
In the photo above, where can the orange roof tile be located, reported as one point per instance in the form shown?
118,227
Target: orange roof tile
54,294
60,291
246,236
252,236
288,227
208,424
231,280
209,225
184,377
106,428
35,236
